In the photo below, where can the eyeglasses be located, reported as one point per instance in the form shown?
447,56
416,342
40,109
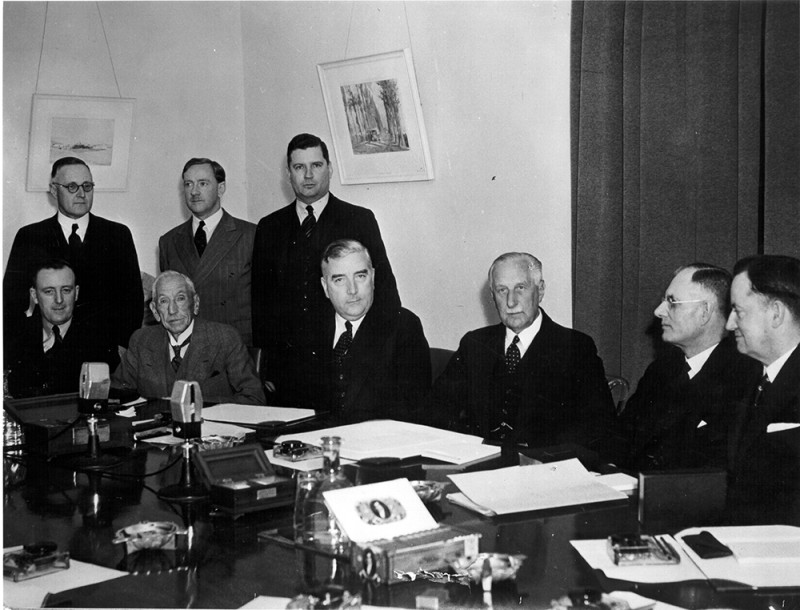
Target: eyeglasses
672,303
73,187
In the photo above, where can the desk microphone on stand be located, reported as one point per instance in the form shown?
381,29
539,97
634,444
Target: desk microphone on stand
95,383
186,404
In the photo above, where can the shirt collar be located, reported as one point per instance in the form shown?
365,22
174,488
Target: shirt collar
319,206
697,361
526,336
773,369
183,336
340,327
47,331
66,225
211,223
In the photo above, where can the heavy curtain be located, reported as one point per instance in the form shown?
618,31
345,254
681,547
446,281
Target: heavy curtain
685,147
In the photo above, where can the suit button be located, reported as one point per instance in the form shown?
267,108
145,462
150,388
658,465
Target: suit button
341,377
222,302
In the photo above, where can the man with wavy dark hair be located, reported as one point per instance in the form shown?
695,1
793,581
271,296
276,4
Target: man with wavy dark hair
764,456
289,306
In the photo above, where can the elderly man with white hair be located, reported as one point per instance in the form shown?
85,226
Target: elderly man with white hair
189,348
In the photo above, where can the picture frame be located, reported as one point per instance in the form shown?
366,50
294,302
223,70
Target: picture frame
375,116
95,129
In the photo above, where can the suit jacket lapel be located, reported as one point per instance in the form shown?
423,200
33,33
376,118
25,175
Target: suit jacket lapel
184,245
157,360
194,364
57,235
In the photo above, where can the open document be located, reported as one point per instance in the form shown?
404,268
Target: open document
389,438
536,487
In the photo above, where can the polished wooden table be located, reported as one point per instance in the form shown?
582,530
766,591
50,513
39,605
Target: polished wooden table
224,563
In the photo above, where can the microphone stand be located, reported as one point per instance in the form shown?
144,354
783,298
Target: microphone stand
93,459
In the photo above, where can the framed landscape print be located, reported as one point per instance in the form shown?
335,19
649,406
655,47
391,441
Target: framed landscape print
95,129
376,120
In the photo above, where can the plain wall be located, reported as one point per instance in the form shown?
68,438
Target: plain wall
236,81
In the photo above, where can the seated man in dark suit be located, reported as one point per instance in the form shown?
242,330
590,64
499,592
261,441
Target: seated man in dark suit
525,381
764,446
188,348
372,363
47,349
681,411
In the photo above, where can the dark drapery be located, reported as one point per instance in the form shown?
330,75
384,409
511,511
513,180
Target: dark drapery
685,147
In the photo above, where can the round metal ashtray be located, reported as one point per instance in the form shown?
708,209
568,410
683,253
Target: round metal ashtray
216,441
148,534
502,566
429,491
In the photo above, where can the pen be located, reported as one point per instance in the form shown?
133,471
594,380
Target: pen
667,549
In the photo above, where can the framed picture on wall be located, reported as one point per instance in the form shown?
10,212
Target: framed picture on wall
95,129
375,116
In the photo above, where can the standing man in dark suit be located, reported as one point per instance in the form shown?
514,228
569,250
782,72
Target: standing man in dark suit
372,363
525,381
681,411
46,354
186,347
764,449
289,306
100,251
213,248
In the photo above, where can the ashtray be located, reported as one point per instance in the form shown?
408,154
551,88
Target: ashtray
217,441
502,566
429,491
148,534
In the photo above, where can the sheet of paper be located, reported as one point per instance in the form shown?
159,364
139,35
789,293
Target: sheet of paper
536,487
781,426
595,553
619,481
252,414
30,593
379,510
389,438
263,602
638,602
208,428
301,465
750,573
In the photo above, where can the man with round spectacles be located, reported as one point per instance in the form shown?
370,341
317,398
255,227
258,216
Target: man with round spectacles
679,415
100,251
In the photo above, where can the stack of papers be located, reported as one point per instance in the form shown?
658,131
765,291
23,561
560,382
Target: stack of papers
525,488
389,438
250,415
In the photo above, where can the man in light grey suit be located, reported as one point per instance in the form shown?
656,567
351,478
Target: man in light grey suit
213,248
189,348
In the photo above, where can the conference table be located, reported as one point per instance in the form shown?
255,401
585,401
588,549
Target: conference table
225,562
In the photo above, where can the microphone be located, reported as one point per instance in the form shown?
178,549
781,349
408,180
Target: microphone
94,385
186,405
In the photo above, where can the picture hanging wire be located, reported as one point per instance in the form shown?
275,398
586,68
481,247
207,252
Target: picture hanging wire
105,37
350,26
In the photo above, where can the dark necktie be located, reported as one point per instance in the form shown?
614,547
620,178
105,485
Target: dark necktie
176,360
200,241
74,242
763,385
512,355
57,339
343,344
309,222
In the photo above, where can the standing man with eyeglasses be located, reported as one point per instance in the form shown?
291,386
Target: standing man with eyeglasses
100,251
682,408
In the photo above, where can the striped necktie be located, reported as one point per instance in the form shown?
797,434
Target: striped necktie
176,360
309,222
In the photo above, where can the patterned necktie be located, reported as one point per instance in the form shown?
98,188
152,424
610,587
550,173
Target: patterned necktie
75,242
309,222
512,355
343,344
200,241
176,360
763,386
